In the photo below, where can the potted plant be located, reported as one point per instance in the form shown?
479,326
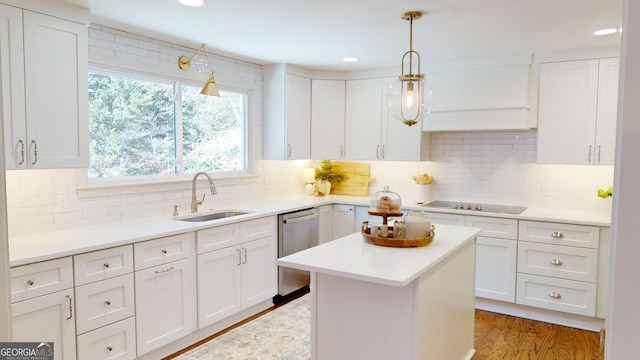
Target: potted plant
326,177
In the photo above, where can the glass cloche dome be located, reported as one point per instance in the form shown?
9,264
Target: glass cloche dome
385,201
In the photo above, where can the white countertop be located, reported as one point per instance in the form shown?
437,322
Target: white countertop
351,257
54,244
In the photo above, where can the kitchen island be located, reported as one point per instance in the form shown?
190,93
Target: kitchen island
373,302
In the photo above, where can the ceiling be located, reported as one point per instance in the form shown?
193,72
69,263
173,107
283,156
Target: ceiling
318,34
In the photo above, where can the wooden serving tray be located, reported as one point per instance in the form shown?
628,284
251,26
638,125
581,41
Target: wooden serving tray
393,242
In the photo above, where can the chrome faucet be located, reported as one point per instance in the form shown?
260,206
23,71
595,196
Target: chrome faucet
194,198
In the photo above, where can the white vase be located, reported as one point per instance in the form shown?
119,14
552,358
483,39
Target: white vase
322,188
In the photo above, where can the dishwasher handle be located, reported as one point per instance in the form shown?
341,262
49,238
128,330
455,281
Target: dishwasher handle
300,218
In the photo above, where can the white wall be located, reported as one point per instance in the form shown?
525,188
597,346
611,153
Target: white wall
623,315
494,167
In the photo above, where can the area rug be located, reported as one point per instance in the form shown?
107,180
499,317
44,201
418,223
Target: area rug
281,334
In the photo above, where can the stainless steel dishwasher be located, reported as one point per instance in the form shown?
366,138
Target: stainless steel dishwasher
297,231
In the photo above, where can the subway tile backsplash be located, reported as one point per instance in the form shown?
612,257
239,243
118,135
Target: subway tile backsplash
498,167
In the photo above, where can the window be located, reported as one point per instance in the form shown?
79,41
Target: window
146,128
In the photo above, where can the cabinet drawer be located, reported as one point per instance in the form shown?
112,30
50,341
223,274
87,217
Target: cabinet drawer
570,296
114,342
560,234
104,302
494,227
103,264
558,261
217,237
163,250
446,219
29,281
257,229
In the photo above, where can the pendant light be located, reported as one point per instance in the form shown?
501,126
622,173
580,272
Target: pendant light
209,87
409,98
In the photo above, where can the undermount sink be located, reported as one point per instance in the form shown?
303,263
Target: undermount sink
213,216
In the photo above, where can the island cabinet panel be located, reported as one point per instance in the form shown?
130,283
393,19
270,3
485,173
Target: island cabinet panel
390,303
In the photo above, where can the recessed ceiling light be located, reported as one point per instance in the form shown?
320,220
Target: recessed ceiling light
194,3
607,31
350,59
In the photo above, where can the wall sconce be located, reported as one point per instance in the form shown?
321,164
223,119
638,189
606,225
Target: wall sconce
209,87
409,98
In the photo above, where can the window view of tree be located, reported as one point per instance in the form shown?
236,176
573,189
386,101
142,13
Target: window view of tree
213,131
135,128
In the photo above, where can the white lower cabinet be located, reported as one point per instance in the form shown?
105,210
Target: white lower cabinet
325,223
42,308
236,277
496,253
558,267
165,294
47,318
569,296
343,220
496,268
113,342
105,304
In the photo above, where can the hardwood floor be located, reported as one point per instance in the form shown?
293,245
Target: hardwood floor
507,337
504,337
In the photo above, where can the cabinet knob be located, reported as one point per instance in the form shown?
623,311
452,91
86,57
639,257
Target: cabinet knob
109,348
555,295
557,235
557,262
164,251
30,282
106,265
108,302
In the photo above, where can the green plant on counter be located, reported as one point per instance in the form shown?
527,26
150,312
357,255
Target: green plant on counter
605,193
325,170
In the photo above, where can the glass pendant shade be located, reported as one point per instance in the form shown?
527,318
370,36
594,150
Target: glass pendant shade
410,100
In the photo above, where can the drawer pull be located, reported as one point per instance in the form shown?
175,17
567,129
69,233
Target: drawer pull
109,348
555,262
555,295
557,235
108,302
106,265
164,251
30,282
165,270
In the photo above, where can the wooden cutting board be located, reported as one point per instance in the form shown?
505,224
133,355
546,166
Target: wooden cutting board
357,181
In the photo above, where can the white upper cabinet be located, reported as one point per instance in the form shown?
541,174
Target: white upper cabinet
45,92
577,111
371,133
287,114
481,95
327,119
